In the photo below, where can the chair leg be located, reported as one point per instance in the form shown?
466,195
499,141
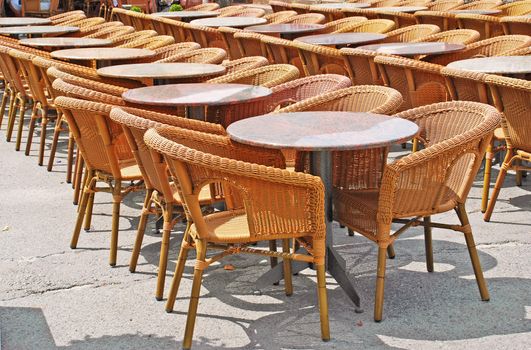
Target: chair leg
141,230
391,251
70,159
428,244
482,285
78,176
82,208
116,200
323,302
164,247
21,112
3,106
286,263
350,233
179,269
519,174
415,146
31,129
194,299
55,140
273,261
11,117
88,215
44,125
486,176
499,183
380,284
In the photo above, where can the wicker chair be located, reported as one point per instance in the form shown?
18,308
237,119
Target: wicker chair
162,196
456,36
434,180
370,26
338,25
83,32
155,42
444,5
229,9
107,159
61,17
174,49
211,55
526,51
230,43
512,97
496,46
361,67
420,83
84,22
250,44
516,25
279,6
205,36
480,5
66,19
121,15
318,59
204,7
236,229
330,14
442,19
401,19
517,8
281,51
275,17
120,39
245,12
244,64
487,26
307,18
165,26
76,90
411,33
301,9
105,33
367,13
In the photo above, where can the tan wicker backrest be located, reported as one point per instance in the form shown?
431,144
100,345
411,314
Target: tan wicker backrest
245,12
32,76
299,8
245,63
174,49
279,6
513,97
227,35
250,44
63,88
442,19
205,36
282,51
64,15
57,73
370,26
444,5
411,33
84,22
272,198
330,14
361,67
92,29
100,141
11,71
107,32
456,36
466,85
480,5
360,98
384,3
438,177
420,83
517,8
337,25
154,42
121,15
318,59
211,55
487,26
516,25
526,51
267,76
275,17
212,6
15,44
307,18
401,19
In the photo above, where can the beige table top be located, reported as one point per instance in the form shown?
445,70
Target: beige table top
405,9
37,30
495,65
104,53
65,42
236,22
322,131
161,70
341,38
22,21
412,49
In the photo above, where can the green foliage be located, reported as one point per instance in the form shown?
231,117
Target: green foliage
175,8
136,9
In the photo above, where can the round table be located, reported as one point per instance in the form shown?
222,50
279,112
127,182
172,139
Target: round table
405,9
186,16
201,95
341,39
343,5
37,30
495,65
235,22
413,49
103,56
477,12
321,133
162,73
58,42
22,21
286,30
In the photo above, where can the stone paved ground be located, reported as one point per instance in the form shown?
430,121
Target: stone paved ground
52,297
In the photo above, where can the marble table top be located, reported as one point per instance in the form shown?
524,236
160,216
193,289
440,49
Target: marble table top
285,28
36,30
236,22
412,49
202,94
476,12
65,42
22,21
161,70
344,5
405,9
186,14
322,131
341,38
104,53
495,65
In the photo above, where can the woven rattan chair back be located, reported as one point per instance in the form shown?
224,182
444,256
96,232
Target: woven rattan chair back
275,17
120,14
245,12
244,64
337,25
229,42
250,44
63,17
174,49
466,85
267,76
442,19
517,8
204,7
444,5
401,19
411,33
330,14
307,18
480,5
206,36
361,67
57,73
151,43
92,29
516,25
420,83
318,59
486,26
281,51
370,26
122,39
456,36
63,88
107,32
208,55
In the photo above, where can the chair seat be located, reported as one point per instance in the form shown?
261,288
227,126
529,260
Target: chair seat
205,196
226,227
130,171
498,134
